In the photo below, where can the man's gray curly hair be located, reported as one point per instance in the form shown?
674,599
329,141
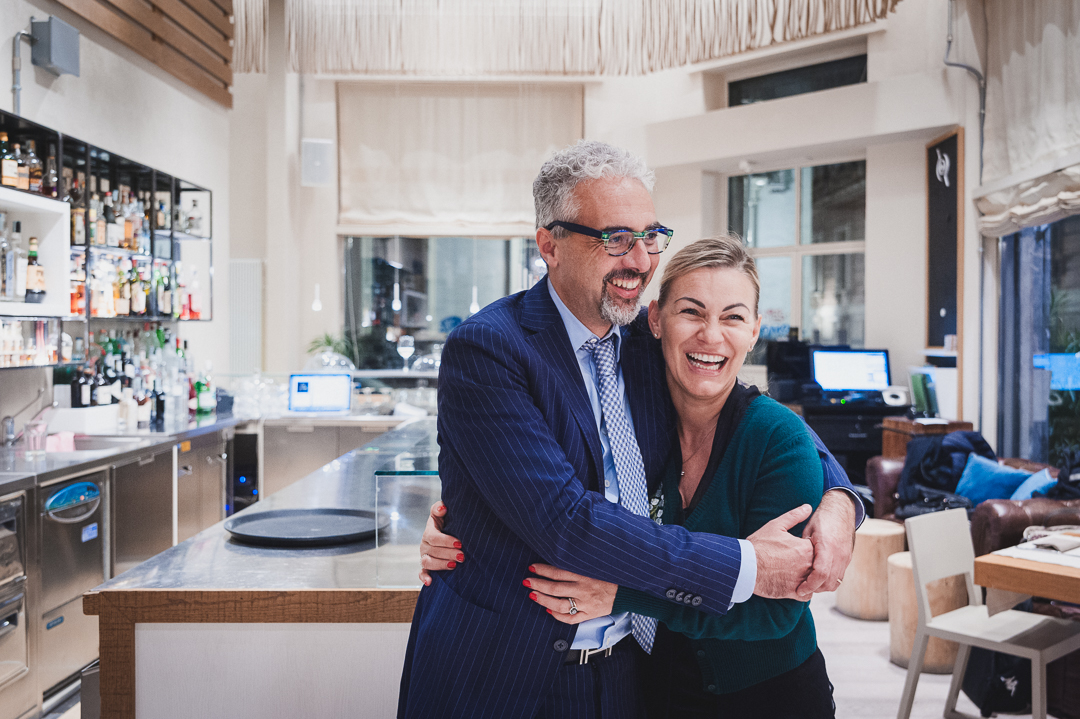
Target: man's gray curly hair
553,188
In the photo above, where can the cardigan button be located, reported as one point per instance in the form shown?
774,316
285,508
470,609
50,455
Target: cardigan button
701,653
670,594
696,602
561,645
712,687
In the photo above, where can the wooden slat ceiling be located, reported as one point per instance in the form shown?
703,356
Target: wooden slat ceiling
190,39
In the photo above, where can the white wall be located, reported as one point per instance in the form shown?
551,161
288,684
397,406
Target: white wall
128,106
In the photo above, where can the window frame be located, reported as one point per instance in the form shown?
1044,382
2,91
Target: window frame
797,250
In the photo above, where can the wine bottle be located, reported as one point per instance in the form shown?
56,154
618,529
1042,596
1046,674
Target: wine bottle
35,170
35,275
9,166
23,169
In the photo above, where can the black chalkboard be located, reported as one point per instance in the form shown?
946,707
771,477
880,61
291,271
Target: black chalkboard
943,180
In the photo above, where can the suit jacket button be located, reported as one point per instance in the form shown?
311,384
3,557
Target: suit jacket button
670,594
561,645
696,602
679,597
688,599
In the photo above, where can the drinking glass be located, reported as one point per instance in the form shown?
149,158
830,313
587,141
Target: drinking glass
405,348
34,434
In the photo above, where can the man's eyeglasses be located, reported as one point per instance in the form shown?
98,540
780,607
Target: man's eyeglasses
619,242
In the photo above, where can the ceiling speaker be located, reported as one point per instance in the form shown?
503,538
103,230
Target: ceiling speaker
316,163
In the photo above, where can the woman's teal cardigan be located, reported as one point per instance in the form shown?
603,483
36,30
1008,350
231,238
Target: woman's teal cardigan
769,467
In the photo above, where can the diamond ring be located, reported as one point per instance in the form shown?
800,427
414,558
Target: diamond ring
573,607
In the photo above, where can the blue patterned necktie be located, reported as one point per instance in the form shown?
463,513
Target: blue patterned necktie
629,467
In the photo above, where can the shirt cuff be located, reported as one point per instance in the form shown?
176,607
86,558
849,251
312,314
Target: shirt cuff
860,508
744,585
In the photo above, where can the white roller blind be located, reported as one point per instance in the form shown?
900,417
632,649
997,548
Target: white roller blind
450,158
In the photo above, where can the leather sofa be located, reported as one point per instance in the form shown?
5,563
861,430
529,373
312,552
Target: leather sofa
996,523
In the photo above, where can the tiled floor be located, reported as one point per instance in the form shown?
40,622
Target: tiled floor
867,684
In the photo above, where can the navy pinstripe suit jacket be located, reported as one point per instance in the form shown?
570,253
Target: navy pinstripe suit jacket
519,452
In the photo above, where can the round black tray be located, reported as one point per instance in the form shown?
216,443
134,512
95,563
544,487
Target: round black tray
319,527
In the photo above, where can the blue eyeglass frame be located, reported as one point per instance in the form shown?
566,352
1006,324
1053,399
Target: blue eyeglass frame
605,235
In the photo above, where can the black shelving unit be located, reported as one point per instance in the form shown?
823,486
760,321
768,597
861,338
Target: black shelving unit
93,169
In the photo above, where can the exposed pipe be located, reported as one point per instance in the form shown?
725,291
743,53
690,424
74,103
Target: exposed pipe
16,68
982,139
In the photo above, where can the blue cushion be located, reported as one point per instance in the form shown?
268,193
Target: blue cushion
1038,482
985,479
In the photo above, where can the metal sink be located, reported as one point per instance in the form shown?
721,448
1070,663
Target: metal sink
89,442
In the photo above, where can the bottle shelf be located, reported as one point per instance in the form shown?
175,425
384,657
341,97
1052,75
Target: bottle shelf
121,252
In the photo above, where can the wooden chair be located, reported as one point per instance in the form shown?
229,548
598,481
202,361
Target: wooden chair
940,545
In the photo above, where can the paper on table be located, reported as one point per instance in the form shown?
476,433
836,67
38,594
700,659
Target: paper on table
1028,551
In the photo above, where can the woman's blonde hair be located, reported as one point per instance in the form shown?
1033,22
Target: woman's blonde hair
723,251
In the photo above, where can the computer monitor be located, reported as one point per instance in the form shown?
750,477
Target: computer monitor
320,392
850,370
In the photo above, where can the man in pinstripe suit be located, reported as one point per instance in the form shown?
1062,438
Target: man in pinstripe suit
533,470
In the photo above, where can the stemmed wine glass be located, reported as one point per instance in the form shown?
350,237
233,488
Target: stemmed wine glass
405,348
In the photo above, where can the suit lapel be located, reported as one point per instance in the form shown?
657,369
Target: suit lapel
650,404
551,342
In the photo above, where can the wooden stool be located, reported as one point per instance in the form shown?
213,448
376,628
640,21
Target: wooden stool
864,593
945,595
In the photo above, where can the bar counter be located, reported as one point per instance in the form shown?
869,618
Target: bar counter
215,627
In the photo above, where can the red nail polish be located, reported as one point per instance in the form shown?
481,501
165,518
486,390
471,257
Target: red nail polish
532,596
532,569
549,611
460,557
457,545
451,565
526,583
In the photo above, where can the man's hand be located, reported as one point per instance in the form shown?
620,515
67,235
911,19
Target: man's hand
783,560
832,531
438,551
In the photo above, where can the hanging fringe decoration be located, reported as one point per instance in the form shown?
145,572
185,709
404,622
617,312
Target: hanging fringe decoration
534,37
249,42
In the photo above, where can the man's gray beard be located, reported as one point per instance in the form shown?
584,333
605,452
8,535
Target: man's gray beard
617,313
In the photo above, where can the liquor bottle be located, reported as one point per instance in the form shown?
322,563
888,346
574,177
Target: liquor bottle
195,301
81,389
9,166
3,255
162,222
50,182
114,230
194,219
122,289
34,168
17,262
204,390
78,215
159,403
24,170
35,275
100,393
138,293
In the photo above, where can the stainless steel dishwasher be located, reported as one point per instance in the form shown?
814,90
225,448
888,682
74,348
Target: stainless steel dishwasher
141,517
17,690
72,562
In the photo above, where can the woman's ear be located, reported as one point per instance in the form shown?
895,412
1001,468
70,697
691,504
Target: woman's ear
757,333
654,319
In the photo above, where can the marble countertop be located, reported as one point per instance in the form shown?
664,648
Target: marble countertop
213,560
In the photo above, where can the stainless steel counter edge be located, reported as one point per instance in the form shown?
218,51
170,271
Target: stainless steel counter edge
90,460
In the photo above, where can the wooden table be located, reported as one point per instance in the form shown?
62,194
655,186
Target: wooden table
1026,577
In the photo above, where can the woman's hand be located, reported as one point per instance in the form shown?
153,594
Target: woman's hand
554,588
438,551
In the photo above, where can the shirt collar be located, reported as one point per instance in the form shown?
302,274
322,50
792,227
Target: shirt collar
580,334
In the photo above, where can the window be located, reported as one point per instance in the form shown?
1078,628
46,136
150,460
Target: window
806,228
425,287
800,80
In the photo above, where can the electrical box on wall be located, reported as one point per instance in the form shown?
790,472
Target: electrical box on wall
316,163
56,46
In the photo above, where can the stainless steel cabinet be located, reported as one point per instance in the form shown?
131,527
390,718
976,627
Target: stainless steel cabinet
294,451
200,484
70,535
141,499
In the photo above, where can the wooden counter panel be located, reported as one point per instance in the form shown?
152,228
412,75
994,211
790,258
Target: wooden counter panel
1027,577
253,605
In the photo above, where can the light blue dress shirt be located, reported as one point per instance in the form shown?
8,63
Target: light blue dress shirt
603,632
